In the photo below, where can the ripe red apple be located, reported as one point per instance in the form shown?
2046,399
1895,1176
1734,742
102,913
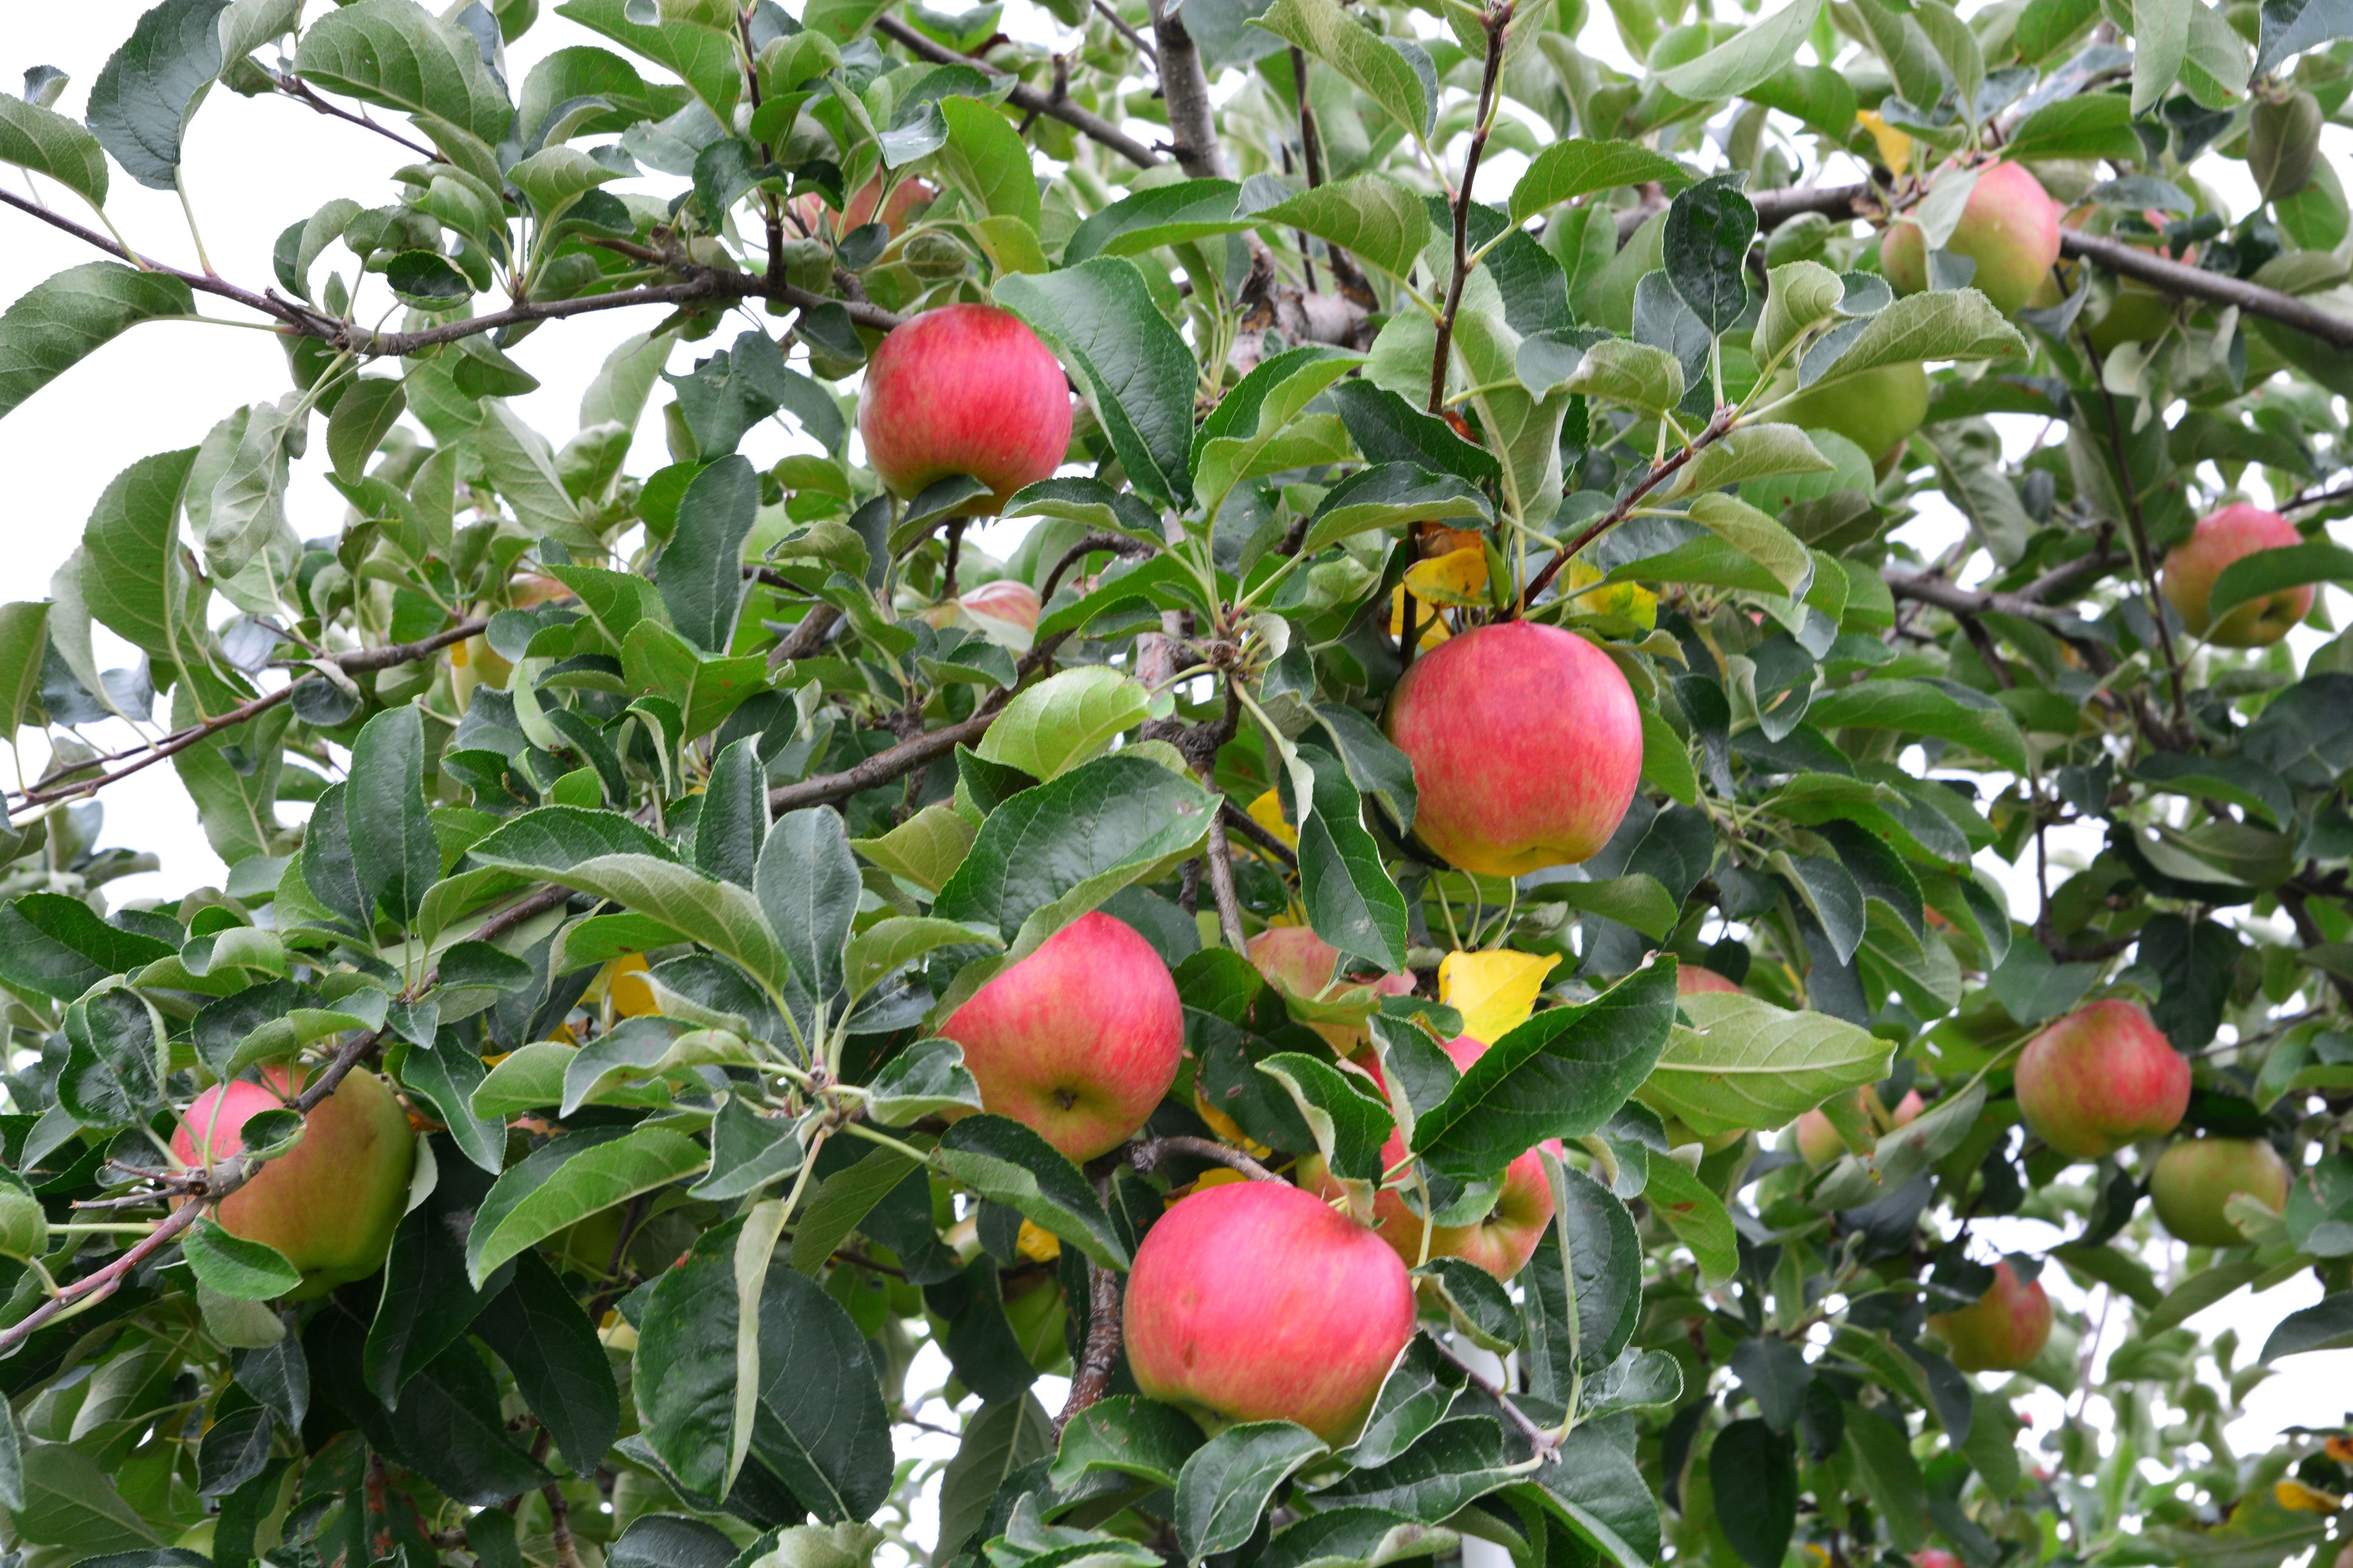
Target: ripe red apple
2195,1178
2002,1330
905,198
1080,1039
1256,1301
2010,227
2232,535
1298,963
330,1204
1526,746
1935,1557
965,389
1819,1142
1501,1242
2099,1078
1691,978
1877,410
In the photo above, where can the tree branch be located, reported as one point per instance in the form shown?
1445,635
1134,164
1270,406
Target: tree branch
1184,88
1715,431
302,91
361,662
1146,1155
1023,95
1960,601
1495,20
1101,1353
1249,827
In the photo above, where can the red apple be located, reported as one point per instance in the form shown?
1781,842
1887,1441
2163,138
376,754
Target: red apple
2003,1329
2195,1178
1255,1301
2099,1078
965,389
2232,535
1299,964
1500,1243
905,198
1877,410
2010,227
1691,978
330,1204
1079,1040
1526,746
1819,1143
1935,1557
1008,599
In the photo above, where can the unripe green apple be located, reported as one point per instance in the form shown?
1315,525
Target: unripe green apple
2010,227
1500,1242
1877,410
2099,1078
965,389
2232,535
2196,1178
1256,1301
1079,1040
1526,746
2003,1329
1819,1141
329,1205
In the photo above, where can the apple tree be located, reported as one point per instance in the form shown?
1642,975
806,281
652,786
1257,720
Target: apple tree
1273,782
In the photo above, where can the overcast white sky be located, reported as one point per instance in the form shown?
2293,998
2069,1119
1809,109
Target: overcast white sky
252,167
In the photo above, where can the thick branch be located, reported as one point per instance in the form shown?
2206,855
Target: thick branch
1101,1355
1960,601
1024,95
1249,827
1184,88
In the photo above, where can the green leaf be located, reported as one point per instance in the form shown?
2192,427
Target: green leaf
986,159
1561,1074
2160,43
398,55
141,102
1454,1463
1415,1396
999,1438
1133,369
2268,572
1162,215
1753,452
368,409
1386,495
1347,1114
700,572
697,1373
1231,1478
1754,53
241,1270
1050,854
2327,1326
2093,125
808,891
1945,324
1646,379
1581,1313
1354,1537
1696,1215
393,847
554,178
1477,1304
1361,55
889,945
1916,707
565,1182
62,319
1350,900
1369,215
1577,167
47,142
1800,293
1129,1435
56,945
924,1079
841,1205
1256,413
1706,244
1064,720
1006,1162
1745,1063
560,1367
23,642
1756,1492
1787,565
569,845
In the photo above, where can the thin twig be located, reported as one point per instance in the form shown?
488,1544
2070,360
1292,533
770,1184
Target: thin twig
1023,96
302,91
1543,1439
1717,427
1496,20
1147,1154
1249,827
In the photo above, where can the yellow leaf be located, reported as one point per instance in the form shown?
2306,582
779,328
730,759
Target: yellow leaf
2304,1499
1457,577
1427,620
1495,992
1629,600
1037,1245
1267,812
1895,146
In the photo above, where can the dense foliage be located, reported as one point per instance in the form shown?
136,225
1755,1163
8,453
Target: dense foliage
645,831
